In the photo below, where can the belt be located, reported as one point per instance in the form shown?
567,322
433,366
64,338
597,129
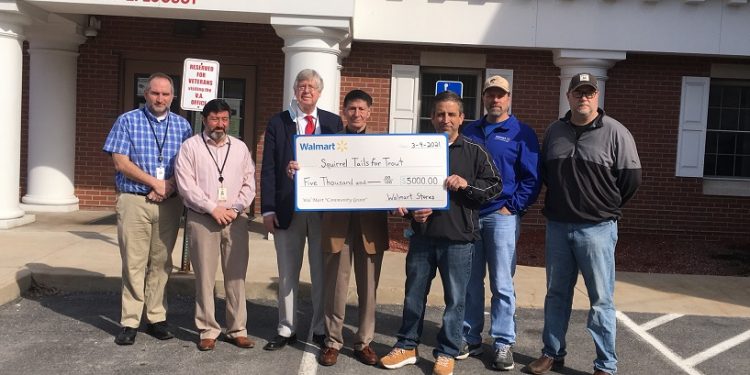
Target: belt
145,194
199,213
134,193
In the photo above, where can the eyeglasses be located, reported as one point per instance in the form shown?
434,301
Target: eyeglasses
303,88
581,94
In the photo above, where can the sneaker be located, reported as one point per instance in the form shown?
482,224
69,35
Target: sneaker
443,365
399,357
503,360
473,350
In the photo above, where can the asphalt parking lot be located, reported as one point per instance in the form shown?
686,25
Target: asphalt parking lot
73,333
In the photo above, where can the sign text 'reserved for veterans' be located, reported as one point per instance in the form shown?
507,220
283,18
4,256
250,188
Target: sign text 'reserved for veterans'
371,172
200,83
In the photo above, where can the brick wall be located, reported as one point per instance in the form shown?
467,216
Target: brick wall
643,92
100,67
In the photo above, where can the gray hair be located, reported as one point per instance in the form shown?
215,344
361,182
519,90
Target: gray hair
309,75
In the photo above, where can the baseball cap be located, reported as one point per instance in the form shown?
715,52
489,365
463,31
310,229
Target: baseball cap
496,81
582,79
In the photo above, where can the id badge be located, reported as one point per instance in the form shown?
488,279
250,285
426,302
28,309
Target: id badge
160,172
222,194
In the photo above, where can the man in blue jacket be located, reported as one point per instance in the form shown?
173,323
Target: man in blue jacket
515,149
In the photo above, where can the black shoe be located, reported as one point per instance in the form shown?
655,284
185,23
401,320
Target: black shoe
319,339
279,342
159,330
126,336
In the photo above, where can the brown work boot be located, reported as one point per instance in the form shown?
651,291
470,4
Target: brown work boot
544,364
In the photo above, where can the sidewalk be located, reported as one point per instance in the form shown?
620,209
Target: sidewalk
78,251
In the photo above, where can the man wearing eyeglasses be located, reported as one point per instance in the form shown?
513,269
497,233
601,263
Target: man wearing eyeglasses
591,168
216,176
290,228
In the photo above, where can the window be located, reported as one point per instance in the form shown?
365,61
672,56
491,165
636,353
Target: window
232,90
413,87
471,85
728,129
713,142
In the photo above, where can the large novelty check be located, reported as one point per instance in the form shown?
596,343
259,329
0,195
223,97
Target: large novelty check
371,172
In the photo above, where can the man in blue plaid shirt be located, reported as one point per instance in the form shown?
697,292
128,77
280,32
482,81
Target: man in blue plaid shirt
144,144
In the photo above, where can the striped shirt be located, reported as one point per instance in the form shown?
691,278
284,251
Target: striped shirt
140,136
197,172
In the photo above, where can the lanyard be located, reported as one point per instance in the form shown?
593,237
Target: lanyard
160,146
220,170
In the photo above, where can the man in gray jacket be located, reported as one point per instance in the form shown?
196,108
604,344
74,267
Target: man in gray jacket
591,168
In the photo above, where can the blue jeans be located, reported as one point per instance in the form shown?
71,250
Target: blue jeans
496,250
589,248
426,256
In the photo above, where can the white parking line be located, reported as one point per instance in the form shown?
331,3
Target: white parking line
309,364
718,348
658,345
659,321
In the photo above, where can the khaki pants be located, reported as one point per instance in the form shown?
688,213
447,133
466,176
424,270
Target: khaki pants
337,269
208,242
146,232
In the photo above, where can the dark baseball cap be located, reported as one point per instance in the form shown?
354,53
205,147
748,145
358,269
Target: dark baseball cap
582,79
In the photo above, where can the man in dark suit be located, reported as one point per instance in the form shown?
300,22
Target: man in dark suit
290,229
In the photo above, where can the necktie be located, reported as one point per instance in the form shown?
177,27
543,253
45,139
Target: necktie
310,128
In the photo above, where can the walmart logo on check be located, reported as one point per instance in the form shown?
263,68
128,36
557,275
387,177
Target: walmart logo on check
317,146
309,146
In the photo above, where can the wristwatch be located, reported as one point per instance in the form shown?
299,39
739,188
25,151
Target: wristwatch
237,210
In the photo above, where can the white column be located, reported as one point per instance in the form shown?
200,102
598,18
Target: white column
312,44
11,66
572,62
53,58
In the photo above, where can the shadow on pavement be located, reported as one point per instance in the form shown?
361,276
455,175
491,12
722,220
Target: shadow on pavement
87,235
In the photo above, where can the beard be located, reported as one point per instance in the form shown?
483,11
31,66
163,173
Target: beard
495,111
217,135
583,110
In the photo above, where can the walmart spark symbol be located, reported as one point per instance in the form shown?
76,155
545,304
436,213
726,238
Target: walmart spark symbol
342,146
